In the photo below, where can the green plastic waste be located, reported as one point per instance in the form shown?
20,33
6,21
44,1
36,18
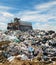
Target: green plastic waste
16,40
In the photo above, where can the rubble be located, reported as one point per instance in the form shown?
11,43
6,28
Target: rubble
28,45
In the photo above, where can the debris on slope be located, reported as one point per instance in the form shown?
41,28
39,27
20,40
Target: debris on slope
32,45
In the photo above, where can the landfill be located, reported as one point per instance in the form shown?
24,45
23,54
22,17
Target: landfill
32,47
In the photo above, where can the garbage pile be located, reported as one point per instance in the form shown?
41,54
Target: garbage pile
28,45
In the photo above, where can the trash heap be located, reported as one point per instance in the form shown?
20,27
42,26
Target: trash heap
29,45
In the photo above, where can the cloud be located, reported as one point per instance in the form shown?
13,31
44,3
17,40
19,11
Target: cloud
45,12
5,8
45,5
32,16
5,16
3,26
41,13
45,26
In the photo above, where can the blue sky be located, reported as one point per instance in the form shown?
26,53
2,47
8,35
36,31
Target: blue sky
42,13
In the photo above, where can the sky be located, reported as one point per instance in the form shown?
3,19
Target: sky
41,13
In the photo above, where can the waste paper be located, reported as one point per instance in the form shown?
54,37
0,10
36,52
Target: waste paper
28,45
